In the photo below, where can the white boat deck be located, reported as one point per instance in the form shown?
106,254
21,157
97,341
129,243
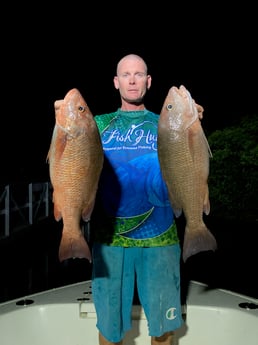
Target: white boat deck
66,315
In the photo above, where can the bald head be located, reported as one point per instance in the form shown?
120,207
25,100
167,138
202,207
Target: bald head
132,58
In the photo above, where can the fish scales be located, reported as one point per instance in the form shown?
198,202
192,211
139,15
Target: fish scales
75,162
184,154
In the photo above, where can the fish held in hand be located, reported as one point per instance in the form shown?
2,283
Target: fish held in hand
184,155
75,160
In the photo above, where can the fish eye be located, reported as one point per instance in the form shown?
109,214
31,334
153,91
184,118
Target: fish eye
169,106
81,108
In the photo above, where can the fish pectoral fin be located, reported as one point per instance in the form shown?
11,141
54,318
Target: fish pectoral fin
177,209
177,212
57,213
60,144
48,156
206,204
87,211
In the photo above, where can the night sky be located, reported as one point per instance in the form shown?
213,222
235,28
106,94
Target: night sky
45,54
48,49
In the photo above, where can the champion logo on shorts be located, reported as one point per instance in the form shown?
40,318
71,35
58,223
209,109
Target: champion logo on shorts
170,314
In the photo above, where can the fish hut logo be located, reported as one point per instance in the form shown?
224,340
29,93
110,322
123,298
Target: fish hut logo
134,136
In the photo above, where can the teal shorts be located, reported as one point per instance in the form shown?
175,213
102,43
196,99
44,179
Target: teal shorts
156,271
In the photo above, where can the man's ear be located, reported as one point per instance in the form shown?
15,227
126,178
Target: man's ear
148,82
116,83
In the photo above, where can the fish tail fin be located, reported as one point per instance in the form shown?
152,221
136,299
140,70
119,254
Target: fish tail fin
73,247
196,241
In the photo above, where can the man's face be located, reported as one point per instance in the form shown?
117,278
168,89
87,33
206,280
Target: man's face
132,80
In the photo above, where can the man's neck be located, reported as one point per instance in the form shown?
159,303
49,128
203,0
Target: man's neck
125,106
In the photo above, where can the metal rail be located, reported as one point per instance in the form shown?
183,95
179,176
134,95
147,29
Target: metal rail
21,206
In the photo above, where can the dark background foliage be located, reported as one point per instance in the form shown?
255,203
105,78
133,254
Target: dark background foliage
233,180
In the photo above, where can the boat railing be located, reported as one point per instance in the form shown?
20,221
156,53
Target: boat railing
22,205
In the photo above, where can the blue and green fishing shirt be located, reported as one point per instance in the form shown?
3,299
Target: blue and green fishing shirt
132,205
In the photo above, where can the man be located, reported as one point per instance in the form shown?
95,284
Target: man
135,241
